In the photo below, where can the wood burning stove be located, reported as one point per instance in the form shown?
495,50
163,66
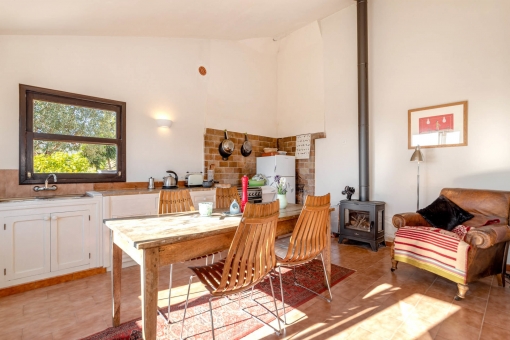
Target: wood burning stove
362,221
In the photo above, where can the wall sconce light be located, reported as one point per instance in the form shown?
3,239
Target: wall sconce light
164,123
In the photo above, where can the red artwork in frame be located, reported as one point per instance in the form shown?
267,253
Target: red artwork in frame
436,123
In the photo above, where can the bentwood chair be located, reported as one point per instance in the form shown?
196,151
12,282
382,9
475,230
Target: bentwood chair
173,202
250,258
225,196
306,242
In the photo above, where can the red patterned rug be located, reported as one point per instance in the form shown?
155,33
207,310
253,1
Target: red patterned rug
230,322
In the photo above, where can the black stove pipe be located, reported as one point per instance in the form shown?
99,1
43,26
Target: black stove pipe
364,186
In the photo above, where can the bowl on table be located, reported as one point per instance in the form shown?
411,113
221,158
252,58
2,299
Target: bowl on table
256,183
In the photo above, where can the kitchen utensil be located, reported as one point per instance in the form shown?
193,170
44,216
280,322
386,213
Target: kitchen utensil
205,208
244,199
210,175
226,147
246,147
208,184
268,150
169,181
151,183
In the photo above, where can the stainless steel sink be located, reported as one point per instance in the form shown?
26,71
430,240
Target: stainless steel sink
43,198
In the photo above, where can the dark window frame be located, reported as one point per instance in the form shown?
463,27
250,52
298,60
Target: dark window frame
27,94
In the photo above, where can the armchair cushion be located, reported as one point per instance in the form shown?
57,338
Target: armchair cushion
444,214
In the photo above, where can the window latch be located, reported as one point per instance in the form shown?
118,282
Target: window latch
119,173
29,174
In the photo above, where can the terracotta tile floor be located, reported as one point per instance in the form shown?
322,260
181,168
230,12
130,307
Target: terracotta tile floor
373,303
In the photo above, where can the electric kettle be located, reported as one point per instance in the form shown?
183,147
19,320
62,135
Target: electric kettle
170,182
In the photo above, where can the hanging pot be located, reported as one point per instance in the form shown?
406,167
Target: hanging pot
246,147
226,147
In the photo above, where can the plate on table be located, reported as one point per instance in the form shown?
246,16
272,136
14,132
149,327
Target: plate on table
227,213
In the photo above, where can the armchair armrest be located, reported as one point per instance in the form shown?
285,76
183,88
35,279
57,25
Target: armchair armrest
485,237
410,219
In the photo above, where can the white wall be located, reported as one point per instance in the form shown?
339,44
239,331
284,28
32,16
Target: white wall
301,82
242,87
157,78
421,53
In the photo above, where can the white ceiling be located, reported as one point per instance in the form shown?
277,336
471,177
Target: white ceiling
216,19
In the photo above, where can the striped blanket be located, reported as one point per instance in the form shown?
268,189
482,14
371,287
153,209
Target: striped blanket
436,250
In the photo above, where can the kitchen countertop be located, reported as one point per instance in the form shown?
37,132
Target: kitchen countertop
121,192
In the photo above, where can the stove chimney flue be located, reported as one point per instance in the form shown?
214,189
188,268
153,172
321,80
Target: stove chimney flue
364,185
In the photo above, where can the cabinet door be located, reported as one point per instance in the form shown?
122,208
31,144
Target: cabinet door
70,235
27,245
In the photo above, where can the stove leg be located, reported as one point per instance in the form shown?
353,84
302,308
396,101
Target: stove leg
340,239
374,246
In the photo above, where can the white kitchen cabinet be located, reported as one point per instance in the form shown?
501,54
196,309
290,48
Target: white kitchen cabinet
203,196
118,206
43,239
125,206
70,237
26,246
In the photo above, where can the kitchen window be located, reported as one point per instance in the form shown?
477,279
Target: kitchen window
81,139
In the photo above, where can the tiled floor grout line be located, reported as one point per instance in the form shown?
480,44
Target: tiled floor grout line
485,310
417,302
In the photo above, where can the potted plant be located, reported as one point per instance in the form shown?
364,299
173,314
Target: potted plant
281,187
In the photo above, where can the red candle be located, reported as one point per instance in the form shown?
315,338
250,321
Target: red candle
244,199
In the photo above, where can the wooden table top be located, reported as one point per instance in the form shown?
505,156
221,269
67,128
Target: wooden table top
151,231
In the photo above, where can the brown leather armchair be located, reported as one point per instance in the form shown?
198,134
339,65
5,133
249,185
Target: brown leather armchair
489,244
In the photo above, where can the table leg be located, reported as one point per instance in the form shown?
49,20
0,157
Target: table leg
326,253
150,277
116,280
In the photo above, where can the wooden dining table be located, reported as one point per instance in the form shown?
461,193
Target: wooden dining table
159,240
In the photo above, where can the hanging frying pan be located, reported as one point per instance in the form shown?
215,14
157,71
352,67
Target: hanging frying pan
226,147
246,147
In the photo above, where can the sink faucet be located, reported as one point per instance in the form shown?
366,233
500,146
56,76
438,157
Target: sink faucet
53,187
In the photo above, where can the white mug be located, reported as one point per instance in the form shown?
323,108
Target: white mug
205,208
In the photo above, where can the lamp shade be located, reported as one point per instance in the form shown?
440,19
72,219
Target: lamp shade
417,155
166,123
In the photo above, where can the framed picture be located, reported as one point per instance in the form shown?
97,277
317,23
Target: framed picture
438,126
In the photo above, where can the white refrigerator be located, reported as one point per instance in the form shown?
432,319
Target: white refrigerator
284,166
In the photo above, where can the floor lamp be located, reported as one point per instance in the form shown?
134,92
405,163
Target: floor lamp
417,157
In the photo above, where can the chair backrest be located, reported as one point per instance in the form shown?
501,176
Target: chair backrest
490,204
175,201
309,236
225,196
251,255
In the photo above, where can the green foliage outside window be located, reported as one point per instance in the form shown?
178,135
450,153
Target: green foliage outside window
61,162
65,157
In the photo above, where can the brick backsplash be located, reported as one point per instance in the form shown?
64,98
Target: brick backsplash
305,168
231,171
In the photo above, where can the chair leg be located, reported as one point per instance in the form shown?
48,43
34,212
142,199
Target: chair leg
167,317
327,280
212,319
394,263
327,283
281,290
462,291
275,307
186,305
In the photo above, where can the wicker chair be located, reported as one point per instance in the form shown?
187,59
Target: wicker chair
250,259
225,196
307,241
